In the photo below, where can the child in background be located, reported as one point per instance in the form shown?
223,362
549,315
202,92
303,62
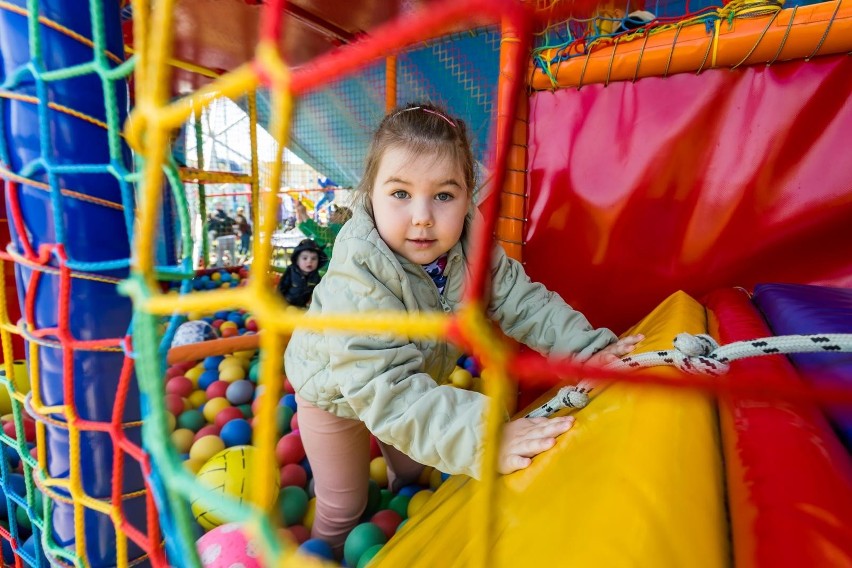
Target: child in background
405,249
301,277
324,236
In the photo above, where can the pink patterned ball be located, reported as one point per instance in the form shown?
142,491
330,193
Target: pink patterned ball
226,546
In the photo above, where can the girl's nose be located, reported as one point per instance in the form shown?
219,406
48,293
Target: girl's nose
421,214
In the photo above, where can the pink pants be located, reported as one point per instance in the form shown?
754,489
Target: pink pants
338,450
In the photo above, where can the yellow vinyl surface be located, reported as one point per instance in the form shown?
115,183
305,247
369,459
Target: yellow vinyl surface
636,482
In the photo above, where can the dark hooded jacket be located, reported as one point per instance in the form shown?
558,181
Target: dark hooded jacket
297,286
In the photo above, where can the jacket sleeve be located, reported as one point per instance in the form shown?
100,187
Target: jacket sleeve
533,315
382,380
284,283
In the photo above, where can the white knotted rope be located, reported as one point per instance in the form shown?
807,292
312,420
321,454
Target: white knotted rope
700,354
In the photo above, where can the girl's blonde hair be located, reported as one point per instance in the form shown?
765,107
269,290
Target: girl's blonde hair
420,128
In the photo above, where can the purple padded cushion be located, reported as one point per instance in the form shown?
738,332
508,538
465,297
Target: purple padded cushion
803,309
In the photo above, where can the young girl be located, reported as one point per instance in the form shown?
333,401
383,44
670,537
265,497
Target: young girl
405,249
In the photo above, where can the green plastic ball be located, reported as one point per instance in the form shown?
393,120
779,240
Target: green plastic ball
362,537
400,505
191,420
368,555
386,496
293,504
283,416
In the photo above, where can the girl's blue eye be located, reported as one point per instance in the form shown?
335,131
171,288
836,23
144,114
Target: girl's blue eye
400,194
444,197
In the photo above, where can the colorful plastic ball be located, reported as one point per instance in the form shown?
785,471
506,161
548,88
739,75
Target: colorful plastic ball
213,407
217,389
290,400
207,378
425,474
206,447
235,317
294,422
232,373
226,415
418,502
246,410
375,449
306,465
226,546
283,415
293,474
212,363
293,504
435,479
193,465
368,555
194,374
461,378
311,492
290,449
297,533
310,513
183,438
234,472
374,498
208,430
216,277
254,369
230,331
379,471
386,496
180,386
193,332
222,314
400,505
288,387
251,324
239,392
174,404
317,547
471,366
361,538
197,398
387,520
409,490
236,432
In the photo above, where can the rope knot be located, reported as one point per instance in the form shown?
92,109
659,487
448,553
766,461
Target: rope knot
696,354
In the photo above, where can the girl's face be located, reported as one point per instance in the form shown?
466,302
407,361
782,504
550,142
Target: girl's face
419,204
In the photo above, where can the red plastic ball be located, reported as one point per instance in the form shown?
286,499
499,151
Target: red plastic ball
375,450
226,415
175,404
180,386
290,449
388,520
294,422
216,389
209,430
299,533
293,474
288,388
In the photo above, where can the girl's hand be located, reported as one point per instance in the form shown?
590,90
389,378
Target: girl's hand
525,438
615,351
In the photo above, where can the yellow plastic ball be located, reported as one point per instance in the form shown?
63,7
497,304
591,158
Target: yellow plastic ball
435,480
461,378
248,354
234,472
193,465
214,406
232,373
308,520
231,361
379,471
206,447
215,277
425,475
182,438
197,398
171,421
194,373
228,325
418,501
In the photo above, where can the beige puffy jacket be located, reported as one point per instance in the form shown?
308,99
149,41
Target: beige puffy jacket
396,385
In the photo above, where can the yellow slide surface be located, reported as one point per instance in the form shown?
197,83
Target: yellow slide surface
637,481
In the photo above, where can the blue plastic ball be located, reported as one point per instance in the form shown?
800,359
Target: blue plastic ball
317,547
306,465
236,432
410,490
240,392
472,366
212,363
207,378
290,400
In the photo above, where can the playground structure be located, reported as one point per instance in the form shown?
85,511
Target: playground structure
684,181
